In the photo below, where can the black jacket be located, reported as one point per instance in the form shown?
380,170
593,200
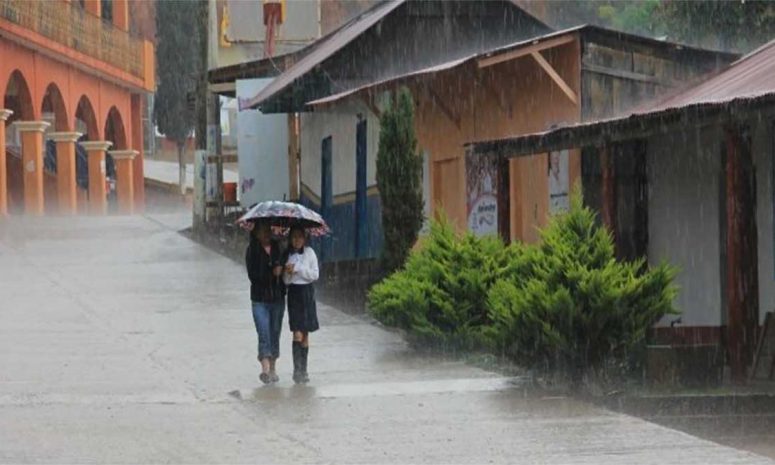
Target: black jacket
265,286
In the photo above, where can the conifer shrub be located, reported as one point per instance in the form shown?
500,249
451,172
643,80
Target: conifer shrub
440,295
399,179
575,305
565,303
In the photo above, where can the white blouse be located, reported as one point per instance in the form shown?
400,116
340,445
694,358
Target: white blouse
305,267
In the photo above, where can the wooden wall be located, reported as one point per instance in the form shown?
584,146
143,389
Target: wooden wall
515,97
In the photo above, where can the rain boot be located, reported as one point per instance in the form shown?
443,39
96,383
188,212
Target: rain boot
298,351
304,374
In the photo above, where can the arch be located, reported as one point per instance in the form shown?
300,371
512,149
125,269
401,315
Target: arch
114,129
54,104
17,98
86,119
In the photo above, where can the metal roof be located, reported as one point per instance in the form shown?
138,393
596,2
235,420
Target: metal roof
748,81
323,49
334,42
392,80
586,28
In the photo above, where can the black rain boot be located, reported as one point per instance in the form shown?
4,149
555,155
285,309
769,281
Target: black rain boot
304,355
298,351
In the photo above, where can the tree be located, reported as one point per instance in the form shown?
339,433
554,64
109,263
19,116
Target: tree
180,68
730,25
399,178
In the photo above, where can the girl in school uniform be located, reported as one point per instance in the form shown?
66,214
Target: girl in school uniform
301,271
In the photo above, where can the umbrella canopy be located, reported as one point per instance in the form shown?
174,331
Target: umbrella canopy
286,215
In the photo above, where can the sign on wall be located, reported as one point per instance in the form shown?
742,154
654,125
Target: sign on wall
482,194
559,182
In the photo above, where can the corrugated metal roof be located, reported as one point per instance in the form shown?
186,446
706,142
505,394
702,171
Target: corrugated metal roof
392,80
323,49
748,79
506,49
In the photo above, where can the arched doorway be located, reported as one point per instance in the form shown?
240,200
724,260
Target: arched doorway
85,123
54,112
115,133
17,98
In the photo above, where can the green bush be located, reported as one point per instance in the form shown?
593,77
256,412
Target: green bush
565,303
440,295
575,305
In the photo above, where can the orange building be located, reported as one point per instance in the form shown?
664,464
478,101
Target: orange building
73,74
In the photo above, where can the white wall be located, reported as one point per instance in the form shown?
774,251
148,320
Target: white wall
338,121
262,148
762,138
683,219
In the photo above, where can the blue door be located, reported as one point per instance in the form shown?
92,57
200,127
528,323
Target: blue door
361,222
326,189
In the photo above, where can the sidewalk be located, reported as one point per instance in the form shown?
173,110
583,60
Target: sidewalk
123,342
166,172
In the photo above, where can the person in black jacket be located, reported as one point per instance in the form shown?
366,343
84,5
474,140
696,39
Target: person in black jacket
264,260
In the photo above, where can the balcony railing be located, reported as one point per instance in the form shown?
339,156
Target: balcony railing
68,24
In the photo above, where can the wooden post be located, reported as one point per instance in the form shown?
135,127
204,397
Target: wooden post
504,199
293,157
66,173
98,200
4,115
609,189
124,179
32,164
742,273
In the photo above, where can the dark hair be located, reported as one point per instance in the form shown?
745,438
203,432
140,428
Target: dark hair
303,234
302,230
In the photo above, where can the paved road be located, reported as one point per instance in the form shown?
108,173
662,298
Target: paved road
123,342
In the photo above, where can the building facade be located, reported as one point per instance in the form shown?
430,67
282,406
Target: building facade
71,73
702,158
550,80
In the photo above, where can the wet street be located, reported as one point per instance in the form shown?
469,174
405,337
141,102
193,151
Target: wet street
122,341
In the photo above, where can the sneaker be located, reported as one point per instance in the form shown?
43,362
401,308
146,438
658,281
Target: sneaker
274,377
265,378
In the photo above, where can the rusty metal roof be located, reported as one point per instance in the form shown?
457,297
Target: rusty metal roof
747,81
322,49
327,46
392,80
581,29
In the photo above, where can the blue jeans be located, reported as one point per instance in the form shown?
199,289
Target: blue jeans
268,318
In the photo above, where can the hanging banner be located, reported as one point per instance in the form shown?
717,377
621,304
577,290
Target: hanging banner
482,194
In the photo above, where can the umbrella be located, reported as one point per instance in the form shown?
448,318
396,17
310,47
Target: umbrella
285,215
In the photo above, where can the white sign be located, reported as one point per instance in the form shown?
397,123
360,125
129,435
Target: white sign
30,166
483,218
559,185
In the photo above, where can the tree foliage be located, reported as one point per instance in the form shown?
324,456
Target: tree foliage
440,296
577,305
738,25
179,66
399,179
565,303
730,25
